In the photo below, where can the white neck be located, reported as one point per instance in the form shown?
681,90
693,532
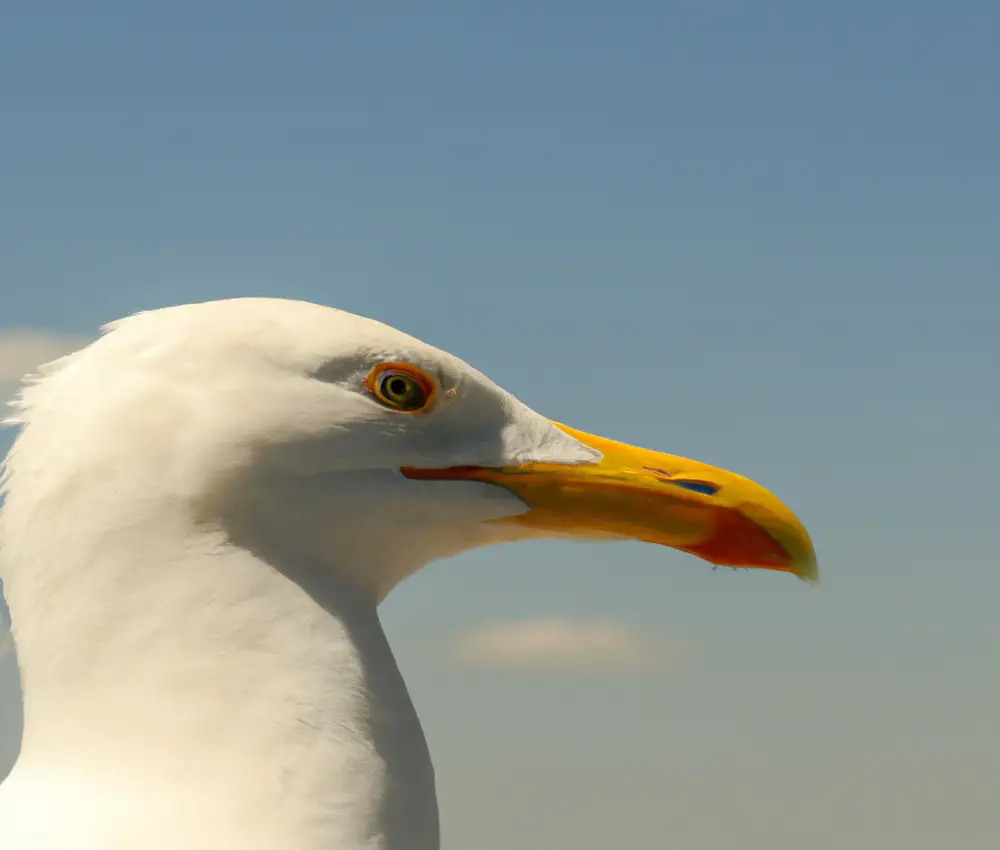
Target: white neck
182,692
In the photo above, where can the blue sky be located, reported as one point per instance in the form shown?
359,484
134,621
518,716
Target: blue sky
760,234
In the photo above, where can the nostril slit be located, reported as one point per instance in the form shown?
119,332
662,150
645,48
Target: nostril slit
702,487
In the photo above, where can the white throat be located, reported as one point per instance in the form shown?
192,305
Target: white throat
184,693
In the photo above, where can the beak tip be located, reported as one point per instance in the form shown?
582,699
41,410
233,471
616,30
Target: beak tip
809,574
807,568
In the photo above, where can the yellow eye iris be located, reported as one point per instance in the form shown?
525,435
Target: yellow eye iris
400,391
400,386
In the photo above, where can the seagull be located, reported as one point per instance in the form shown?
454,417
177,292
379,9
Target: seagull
204,509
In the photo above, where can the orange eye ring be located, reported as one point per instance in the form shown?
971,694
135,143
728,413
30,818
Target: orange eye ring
401,387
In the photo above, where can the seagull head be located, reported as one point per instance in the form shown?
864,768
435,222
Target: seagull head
353,443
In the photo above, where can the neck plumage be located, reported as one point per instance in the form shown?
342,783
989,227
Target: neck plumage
181,692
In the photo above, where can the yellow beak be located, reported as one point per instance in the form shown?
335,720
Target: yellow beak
639,494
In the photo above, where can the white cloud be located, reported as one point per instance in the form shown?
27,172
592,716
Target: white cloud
23,351
559,645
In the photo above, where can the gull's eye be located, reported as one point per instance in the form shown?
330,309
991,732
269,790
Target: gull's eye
400,386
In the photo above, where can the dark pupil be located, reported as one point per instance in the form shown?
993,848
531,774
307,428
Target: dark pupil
397,387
